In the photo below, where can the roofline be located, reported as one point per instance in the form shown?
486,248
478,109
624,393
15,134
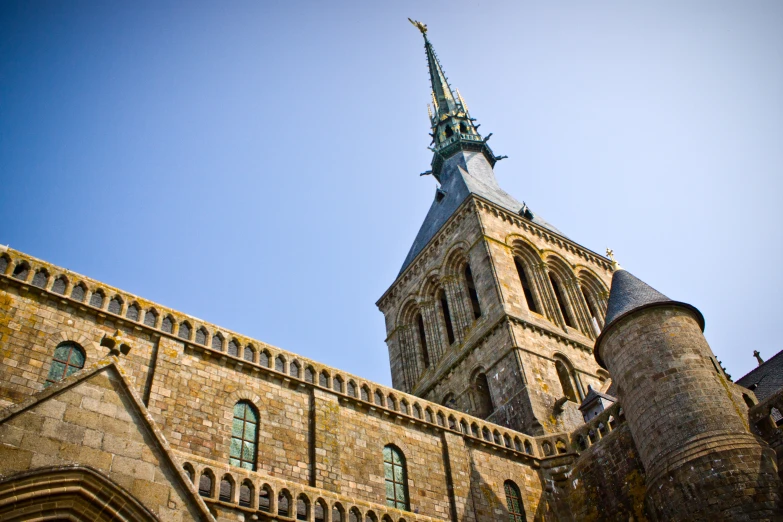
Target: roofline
501,208
621,317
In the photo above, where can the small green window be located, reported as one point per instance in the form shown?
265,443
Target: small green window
396,478
68,358
516,513
244,436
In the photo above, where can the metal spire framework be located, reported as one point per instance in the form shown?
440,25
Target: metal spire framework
453,129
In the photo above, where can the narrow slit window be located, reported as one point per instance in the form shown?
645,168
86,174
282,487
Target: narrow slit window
444,306
423,340
472,293
531,302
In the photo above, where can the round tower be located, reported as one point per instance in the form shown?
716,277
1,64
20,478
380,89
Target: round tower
692,433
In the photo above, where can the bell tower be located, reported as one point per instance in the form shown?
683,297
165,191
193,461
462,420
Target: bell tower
495,311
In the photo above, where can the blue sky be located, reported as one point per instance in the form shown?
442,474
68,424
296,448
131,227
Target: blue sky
256,164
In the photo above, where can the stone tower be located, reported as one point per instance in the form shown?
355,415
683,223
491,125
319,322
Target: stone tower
689,423
494,311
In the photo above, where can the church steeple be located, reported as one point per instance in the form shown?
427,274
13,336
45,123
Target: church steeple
453,129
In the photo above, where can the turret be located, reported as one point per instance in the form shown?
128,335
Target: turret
689,425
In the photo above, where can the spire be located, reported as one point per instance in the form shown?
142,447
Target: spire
453,129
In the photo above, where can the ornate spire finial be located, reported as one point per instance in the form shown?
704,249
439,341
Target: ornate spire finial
757,355
610,254
420,26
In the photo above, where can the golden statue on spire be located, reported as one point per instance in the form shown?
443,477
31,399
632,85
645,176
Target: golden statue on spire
420,26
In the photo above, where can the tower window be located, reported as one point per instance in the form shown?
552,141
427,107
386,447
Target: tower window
560,300
444,306
448,131
244,430
531,302
68,358
472,294
482,396
396,478
516,512
591,305
423,340
463,128
564,374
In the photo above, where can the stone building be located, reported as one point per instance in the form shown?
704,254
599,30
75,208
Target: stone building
116,408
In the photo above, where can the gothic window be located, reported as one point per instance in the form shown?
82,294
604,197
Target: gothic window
463,128
133,312
423,340
560,298
249,353
233,348
338,513
428,415
184,330
320,510
323,379
151,317
22,270
396,478
168,324
96,299
516,512
566,380
245,493
244,436
205,484
370,517
302,507
59,285
483,398
263,359
354,515
284,503
526,289
448,131
68,358
337,384
404,407
201,335
78,292
379,398
591,306
365,393
217,342
226,489
444,307
280,364
115,305
472,293
189,471
309,375
3,264
263,499
351,389
293,369
40,278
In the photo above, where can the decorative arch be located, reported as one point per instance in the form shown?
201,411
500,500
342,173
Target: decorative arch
594,293
217,342
78,292
567,377
59,285
70,493
40,278
560,274
482,398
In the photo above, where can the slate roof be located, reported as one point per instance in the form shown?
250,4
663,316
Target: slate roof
629,293
463,174
592,395
765,380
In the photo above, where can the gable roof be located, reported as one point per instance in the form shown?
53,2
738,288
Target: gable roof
765,380
111,364
592,395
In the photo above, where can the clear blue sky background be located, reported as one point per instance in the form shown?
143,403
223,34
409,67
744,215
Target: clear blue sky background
256,164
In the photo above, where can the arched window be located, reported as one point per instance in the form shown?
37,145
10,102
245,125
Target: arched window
483,398
309,375
423,340
293,369
280,364
338,513
323,379
133,312
205,484
516,512
3,264
96,299
167,325
560,300
151,317
263,359
354,515
184,330
115,305
566,380
244,436
191,473
396,478
526,289
22,270
444,308
284,503
337,384
245,493
201,335
591,305
78,292
264,495
472,293
217,342
320,510
68,358
302,507
59,285
40,278
233,348
249,353
226,489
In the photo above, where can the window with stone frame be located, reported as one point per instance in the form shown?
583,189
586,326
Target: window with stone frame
244,436
560,298
527,290
68,358
395,477
516,512
472,292
60,285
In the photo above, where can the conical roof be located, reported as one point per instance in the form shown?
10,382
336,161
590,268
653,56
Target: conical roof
629,293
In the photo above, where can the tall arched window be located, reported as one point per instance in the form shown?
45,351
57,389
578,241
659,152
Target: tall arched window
423,340
482,396
68,358
526,289
596,316
396,478
566,381
516,511
444,308
244,436
472,294
560,300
